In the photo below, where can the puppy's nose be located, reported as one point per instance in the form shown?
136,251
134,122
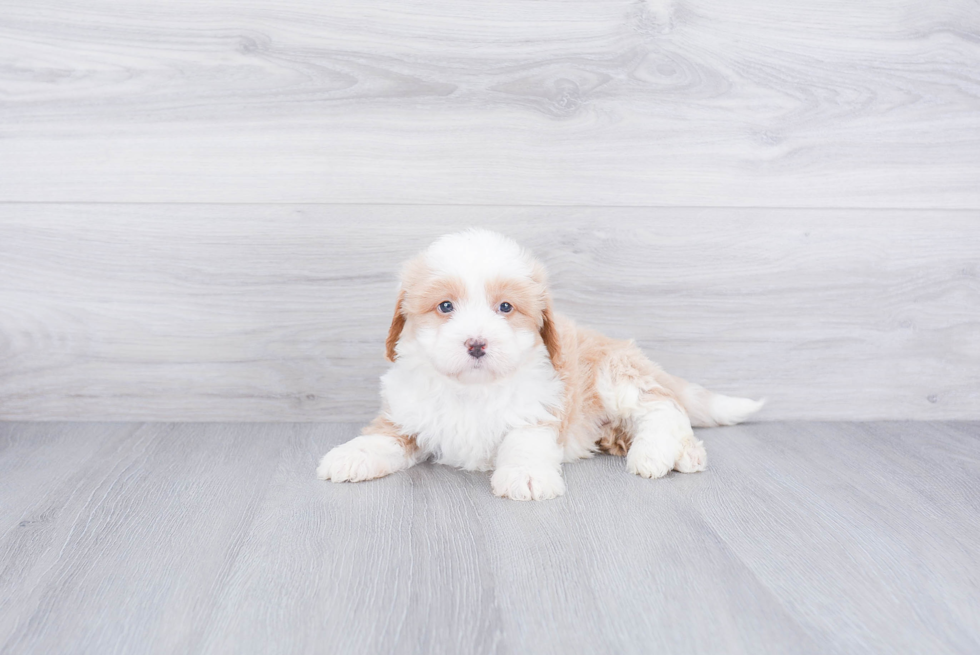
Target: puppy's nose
476,347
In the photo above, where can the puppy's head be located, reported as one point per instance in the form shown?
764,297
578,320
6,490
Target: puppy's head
475,305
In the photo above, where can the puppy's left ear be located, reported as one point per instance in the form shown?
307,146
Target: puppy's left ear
549,334
395,331
549,330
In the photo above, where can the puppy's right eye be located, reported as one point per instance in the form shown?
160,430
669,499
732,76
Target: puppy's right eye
445,307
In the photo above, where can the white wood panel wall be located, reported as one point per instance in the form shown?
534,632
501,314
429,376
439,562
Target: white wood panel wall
260,312
562,102
774,198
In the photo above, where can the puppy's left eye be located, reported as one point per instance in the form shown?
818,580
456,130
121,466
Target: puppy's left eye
505,307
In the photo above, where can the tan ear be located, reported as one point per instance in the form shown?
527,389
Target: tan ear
395,331
549,334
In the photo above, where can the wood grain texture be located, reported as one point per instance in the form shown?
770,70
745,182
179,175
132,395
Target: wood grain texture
555,102
217,538
264,312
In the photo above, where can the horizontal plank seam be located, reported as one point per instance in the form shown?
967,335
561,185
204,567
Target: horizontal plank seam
463,204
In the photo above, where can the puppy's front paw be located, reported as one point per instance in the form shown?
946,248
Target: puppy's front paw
364,458
527,482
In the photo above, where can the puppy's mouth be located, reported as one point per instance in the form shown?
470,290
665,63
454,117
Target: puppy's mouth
480,369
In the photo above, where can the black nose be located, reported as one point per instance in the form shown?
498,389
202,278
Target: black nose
476,347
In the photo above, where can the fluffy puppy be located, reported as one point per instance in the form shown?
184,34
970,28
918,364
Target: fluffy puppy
487,376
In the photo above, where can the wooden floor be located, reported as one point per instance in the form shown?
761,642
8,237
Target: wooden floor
189,538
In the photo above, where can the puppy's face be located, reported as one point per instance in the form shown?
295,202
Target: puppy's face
475,305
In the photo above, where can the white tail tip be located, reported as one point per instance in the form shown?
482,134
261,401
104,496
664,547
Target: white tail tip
728,410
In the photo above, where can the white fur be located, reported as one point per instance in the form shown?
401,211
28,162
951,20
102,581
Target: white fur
364,458
478,255
707,409
462,424
728,410
663,440
445,351
528,465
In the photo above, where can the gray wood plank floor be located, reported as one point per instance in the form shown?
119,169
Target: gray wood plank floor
217,538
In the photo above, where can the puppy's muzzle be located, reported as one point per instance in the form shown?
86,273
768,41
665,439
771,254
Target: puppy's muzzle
477,348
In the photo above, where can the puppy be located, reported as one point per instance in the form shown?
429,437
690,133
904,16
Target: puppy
487,376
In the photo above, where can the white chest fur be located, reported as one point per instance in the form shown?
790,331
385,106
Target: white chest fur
463,424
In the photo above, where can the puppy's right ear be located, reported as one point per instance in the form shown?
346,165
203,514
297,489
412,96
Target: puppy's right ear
395,331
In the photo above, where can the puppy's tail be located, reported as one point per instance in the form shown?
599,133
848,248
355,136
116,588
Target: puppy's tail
707,409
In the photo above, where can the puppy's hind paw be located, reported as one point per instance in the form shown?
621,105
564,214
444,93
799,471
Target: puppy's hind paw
693,457
650,460
527,483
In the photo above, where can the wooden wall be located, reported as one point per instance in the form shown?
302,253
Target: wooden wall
203,204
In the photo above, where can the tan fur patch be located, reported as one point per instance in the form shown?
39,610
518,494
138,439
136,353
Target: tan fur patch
549,334
381,425
585,356
525,295
615,441
419,294
426,297
397,325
